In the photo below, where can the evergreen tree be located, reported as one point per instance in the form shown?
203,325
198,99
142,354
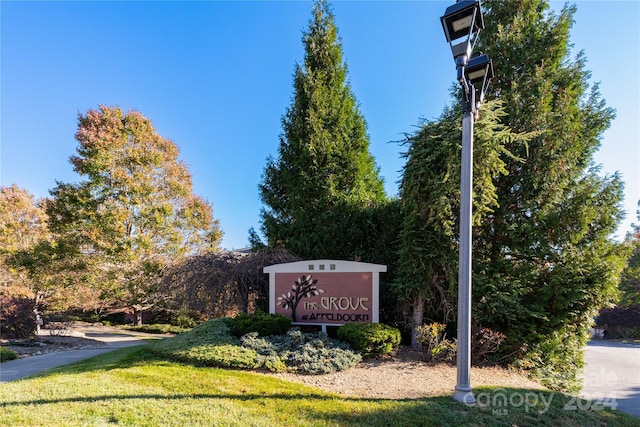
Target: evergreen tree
544,261
543,258
324,176
630,282
430,192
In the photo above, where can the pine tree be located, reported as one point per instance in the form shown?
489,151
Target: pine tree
324,174
544,261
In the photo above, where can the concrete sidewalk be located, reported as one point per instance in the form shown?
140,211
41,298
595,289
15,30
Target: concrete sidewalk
112,339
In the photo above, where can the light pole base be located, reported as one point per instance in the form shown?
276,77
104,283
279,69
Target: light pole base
464,396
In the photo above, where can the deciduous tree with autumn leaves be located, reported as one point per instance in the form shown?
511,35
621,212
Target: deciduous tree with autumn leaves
134,210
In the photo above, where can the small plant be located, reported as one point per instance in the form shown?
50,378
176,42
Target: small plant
6,354
58,329
484,341
435,345
263,323
370,339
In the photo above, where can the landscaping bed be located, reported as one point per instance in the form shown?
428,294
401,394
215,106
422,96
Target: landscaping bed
49,344
406,376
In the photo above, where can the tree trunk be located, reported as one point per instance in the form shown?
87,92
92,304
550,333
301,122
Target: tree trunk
137,314
417,315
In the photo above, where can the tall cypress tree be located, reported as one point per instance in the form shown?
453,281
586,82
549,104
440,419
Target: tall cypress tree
544,261
324,173
430,191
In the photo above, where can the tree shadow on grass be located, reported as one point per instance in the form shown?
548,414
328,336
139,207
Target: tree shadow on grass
313,408
310,409
115,397
496,406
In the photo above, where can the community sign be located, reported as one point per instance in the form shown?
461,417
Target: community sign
325,292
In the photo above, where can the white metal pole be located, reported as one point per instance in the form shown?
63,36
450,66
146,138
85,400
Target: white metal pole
463,391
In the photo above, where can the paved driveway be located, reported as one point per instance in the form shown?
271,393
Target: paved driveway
112,339
612,375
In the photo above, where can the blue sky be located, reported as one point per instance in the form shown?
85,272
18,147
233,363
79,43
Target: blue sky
216,78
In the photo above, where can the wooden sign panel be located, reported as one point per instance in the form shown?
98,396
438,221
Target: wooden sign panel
325,292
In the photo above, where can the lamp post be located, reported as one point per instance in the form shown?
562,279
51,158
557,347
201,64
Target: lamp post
462,23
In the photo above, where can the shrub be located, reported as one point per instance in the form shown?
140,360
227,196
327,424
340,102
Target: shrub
484,341
160,315
17,319
118,318
437,347
557,361
221,355
58,329
184,321
211,344
620,322
263,323
6,354
434,342
370,339
157,329
313,353
207,344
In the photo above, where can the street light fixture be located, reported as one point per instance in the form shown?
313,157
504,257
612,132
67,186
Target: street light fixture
479,69
478,73
462,23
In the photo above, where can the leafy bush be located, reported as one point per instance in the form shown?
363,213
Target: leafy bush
184,321
434,342
264,324
370,339
221,355
557,361
6,354
314,353
17,319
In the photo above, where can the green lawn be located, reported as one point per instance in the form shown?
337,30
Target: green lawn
132,386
